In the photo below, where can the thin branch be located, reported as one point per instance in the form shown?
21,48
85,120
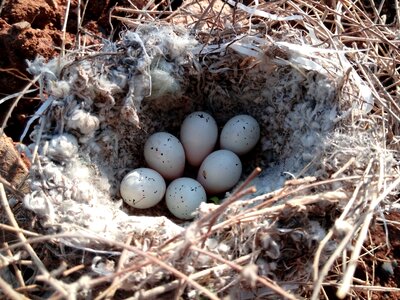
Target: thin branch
42,268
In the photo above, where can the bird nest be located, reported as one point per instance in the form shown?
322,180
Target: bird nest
319,79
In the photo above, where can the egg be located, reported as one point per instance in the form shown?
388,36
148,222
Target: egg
183,196
220,171
142,188
199,134
164,153
240,134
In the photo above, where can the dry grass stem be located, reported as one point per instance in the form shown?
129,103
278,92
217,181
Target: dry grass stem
10,292
42,268
15,103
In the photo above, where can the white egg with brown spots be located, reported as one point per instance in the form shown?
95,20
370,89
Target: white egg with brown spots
164,153
184,196
240,134
199,134
142,188
220,171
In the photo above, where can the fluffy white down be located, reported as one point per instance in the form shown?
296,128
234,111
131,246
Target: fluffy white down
62,147
83,121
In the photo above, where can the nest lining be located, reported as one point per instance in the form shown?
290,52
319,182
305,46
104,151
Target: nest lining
103,107
110,109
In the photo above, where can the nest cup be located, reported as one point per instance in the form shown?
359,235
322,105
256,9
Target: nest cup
102,107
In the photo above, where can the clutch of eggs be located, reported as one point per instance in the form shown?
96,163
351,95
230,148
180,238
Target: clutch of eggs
165,155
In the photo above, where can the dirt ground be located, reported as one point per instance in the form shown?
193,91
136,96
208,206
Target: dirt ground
380,266
29,28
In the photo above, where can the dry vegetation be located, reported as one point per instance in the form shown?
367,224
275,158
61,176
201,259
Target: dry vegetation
313,237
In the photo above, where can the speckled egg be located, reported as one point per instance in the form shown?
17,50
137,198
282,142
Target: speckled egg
199,134
183,197
164,153
240,134
142,188
220,171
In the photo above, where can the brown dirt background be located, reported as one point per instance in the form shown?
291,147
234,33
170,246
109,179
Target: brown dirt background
30,28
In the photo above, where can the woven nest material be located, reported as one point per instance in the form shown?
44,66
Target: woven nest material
329,128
